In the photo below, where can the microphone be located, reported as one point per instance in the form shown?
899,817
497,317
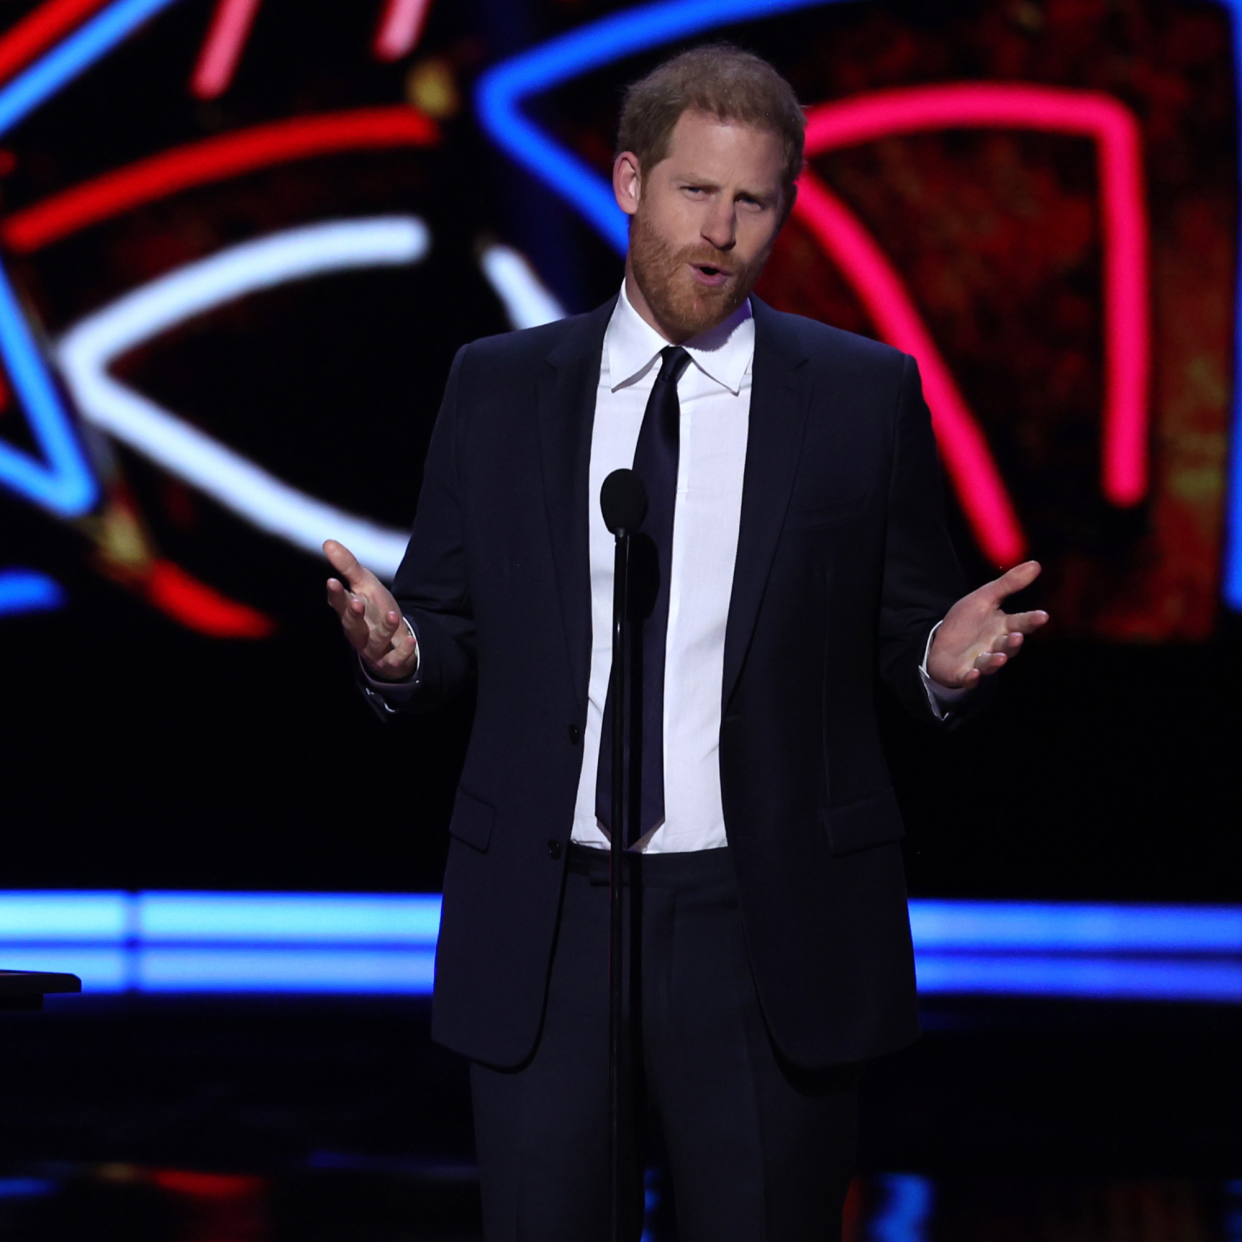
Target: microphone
623,499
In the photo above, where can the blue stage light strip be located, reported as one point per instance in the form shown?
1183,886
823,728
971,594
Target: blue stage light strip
64,482
343,942
50,917
297,918
24,590
1210,980
502,90
101,968
940,926
369,969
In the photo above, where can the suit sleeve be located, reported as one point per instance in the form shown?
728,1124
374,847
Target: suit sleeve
432,582
922,578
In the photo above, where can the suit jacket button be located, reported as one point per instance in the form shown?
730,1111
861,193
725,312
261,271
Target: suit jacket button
554,850
575,735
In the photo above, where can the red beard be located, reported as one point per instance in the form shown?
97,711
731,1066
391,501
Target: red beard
683,307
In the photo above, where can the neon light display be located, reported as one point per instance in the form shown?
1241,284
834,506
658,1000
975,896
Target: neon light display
213,159
966,454
86,350
527,301
1113,128
63,481
200,607
968,460
37,31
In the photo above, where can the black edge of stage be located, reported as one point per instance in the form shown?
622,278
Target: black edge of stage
261,1083
25,989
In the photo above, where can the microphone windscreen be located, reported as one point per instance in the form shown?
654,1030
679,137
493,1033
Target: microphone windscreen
623,498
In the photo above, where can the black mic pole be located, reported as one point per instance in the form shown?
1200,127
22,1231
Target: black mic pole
623,499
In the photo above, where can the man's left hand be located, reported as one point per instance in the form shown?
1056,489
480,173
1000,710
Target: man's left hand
977,637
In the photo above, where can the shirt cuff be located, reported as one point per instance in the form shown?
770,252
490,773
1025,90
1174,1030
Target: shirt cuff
940,698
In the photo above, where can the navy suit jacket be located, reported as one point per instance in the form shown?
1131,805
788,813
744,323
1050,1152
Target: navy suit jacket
843,566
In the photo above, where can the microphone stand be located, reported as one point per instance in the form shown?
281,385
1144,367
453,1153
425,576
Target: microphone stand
619,1138
624,503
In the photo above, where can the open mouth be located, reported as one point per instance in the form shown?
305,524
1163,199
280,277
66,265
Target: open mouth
709,274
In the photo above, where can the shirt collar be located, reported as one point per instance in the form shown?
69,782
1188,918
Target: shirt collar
723,353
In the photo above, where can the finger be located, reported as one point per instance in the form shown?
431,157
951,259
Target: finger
399,661
1016,579
990,662
346,564
1009,643
1026,622
380,641
346,605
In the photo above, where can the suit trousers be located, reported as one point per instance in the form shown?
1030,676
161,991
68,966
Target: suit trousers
757,1148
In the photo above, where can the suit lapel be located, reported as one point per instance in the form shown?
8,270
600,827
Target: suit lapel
779,400
566,400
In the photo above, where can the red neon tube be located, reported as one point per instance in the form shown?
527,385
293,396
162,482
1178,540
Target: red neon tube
213,159
37,31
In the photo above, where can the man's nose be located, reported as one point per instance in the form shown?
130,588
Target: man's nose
720,226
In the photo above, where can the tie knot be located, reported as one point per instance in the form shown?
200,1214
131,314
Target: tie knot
675,361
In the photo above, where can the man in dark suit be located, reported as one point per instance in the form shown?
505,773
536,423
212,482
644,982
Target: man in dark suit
808,553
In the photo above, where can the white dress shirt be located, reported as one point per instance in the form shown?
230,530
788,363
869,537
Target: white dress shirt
714,395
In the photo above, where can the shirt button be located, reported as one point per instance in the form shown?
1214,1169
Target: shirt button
575,735
554,849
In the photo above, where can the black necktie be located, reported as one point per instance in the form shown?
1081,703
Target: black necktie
651,560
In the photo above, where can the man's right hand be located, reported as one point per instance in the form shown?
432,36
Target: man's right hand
370,617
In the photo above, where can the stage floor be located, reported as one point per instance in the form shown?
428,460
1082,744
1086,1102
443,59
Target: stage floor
218,1119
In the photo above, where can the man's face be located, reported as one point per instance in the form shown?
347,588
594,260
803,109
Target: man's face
703,222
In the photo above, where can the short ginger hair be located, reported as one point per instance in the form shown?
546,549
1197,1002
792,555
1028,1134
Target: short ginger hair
722,81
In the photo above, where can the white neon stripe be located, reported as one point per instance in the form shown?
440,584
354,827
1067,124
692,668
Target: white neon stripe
527,300
87,349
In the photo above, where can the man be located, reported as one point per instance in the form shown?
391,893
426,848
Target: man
801,503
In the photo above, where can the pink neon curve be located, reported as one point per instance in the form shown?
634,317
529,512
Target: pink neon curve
401,25
1126,311
966,457
212,159
222,48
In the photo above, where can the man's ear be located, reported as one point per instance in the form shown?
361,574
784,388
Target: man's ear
627,182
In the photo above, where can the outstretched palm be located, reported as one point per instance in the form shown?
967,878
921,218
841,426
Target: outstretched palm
370,617
977,637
